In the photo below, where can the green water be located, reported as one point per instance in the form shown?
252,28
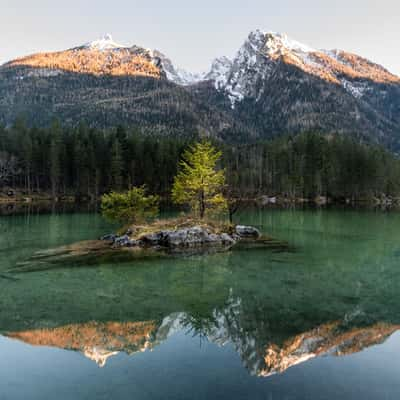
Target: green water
317,321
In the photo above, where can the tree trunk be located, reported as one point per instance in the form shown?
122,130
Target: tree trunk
202,205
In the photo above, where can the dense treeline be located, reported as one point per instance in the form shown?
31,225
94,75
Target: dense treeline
86,162
310,165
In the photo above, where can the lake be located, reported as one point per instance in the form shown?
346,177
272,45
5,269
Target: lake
319,320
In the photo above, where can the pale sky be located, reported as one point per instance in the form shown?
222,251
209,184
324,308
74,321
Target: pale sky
193,33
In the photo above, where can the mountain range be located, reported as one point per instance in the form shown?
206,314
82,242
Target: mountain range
274,85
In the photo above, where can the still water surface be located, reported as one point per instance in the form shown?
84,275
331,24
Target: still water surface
318,321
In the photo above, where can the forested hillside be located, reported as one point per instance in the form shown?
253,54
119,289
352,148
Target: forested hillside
156,105
85,162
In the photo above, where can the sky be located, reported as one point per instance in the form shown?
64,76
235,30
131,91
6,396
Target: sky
193,33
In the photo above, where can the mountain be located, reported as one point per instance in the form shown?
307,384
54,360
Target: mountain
106,84
273,85
100,57
280,85
261,54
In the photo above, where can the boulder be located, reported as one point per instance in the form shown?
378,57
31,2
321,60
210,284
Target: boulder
188,237
214,238
247,231
123,241
227,239
153,239
196,236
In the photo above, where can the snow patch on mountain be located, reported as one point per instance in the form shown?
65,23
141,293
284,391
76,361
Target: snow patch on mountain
356,89
219,73
42,73
104,43
336,55
281,43
186,78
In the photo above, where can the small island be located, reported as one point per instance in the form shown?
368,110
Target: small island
181,234
200,187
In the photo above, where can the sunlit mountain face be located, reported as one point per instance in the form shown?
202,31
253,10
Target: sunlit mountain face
100,57
124,62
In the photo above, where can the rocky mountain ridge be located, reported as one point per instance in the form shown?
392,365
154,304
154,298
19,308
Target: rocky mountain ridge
257,60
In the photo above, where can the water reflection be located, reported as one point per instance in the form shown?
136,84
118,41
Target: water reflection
97,341
261,353
45,207
255,313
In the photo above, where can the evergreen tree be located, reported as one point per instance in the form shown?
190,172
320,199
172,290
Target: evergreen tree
55,158
198,182
27,152
116,165
130,207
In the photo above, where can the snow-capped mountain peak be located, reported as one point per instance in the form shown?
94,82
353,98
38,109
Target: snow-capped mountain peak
274,44
262,53
251,63
278,42
104,43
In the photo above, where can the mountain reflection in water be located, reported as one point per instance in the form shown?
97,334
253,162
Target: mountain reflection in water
99,341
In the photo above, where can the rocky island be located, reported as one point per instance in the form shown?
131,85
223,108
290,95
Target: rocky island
180,235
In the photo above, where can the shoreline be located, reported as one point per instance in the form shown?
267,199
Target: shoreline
259,200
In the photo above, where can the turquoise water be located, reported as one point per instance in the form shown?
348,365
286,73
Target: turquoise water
319,320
